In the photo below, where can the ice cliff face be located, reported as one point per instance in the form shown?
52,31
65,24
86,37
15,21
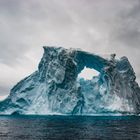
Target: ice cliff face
55,89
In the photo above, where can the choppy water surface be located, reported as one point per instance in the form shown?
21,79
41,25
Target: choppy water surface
69,128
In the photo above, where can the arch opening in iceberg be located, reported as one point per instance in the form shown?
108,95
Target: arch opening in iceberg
88,73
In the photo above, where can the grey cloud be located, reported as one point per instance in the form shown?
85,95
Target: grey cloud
128,29
4,90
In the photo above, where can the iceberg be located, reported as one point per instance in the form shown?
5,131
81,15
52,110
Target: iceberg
56,89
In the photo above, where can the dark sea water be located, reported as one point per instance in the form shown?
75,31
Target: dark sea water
69,128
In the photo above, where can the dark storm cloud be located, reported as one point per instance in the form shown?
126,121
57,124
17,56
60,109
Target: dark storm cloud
100,26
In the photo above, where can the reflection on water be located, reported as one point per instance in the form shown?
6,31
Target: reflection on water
69,128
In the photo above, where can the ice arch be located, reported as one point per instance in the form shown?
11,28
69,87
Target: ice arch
90,61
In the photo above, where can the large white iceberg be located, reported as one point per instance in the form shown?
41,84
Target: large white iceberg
55,89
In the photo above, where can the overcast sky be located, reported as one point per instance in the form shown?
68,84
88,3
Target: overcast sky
98,26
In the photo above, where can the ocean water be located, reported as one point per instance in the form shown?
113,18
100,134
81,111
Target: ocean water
69,128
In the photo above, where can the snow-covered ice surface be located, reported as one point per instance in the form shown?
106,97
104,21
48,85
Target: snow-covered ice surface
56,89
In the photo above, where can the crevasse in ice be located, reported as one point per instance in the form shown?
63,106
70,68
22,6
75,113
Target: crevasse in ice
56,89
